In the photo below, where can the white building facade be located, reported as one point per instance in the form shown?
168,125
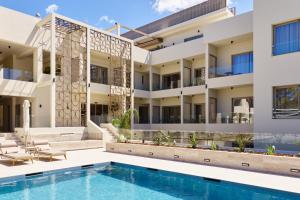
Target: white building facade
201,69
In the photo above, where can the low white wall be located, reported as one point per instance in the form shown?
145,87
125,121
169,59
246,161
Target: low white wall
183,50
230,81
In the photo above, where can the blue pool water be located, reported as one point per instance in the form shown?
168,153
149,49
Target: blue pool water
118,181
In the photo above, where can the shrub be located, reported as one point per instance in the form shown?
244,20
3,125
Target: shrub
193,140
160,138
170,139
214,146
242,140
121,138
271,150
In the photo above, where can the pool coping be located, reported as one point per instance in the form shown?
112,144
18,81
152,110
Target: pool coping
269,181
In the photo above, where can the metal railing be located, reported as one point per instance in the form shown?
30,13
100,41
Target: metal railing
234,118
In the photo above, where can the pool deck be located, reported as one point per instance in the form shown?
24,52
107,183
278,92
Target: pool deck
93,156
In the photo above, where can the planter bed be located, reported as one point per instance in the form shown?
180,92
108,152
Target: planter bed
276,164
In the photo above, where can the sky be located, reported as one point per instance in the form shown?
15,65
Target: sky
104,13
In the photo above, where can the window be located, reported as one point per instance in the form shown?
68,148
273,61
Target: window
242,63
286,102
99,74
286,38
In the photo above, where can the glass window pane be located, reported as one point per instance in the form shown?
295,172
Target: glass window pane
286,38
286,102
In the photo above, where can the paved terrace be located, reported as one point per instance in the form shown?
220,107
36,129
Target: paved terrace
85,157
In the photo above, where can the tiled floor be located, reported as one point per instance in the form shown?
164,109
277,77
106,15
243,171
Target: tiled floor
84,157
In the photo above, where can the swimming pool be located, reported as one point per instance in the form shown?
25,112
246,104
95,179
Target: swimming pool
118,181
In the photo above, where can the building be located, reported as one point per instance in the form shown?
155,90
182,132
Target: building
201,69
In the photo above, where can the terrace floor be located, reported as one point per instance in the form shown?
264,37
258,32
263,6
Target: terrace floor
91,156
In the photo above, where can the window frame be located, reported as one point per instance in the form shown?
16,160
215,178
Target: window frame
274,36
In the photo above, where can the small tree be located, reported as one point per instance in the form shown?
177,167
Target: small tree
124,121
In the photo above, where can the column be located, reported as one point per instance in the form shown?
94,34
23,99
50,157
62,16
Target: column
88,75
52,67
132,86
37,63
150,99
181,86
206,82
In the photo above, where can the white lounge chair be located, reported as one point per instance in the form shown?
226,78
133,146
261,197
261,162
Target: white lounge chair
11,151
43,149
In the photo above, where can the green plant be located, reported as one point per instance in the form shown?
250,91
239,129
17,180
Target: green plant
121,138
271,150
193,140
170,139
160,138
214,146
124,121
242,141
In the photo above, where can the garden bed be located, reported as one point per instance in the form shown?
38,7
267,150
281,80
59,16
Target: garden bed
276,164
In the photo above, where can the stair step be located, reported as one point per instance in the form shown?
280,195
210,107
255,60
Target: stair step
77,145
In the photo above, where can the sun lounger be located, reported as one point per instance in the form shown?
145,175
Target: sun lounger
10,151
43,149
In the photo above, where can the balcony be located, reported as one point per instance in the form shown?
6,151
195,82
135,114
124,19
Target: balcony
17,74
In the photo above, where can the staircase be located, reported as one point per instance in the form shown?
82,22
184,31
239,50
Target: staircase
109,132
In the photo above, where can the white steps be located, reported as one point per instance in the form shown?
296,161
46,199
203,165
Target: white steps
77,145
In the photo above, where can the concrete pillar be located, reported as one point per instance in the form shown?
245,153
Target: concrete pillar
132,85
207,83
52,66
13,113
37,64
88,75
150,110
150,78
181,86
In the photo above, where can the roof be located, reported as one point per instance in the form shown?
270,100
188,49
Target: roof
177,18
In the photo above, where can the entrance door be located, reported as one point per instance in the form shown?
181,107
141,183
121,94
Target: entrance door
212,110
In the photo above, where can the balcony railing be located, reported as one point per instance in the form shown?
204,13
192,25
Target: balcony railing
235,118
17,74
194,121
141,87
215,72
98,119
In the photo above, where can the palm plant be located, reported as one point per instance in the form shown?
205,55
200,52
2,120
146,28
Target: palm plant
242,141
124,121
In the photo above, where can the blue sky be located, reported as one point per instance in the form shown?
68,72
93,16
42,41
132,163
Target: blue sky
103,13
